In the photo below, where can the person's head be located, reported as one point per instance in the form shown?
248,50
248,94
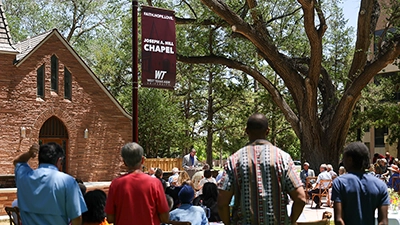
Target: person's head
387,154
159,173
356,157
257,127
186,194
378,169
206,167
132,154
152,171
82,186
95,201
51,153
342,170
394,169
183,176
371,168
210,191
323,168
306,165
329,167
383,162
192,152
207,173
174,181
175,170
188,182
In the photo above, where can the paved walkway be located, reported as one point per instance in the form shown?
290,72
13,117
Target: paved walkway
315,214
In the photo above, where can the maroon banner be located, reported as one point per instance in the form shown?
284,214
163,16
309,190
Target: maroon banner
158,48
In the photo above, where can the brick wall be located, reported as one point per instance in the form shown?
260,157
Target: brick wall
93,159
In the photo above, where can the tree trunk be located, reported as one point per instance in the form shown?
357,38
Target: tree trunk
209,122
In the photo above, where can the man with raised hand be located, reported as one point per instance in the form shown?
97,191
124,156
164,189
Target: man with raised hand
47,196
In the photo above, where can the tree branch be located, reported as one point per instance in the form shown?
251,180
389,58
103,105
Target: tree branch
368,8
283,16
279,62
276,96
353,91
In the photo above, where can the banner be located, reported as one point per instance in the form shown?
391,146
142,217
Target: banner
158,48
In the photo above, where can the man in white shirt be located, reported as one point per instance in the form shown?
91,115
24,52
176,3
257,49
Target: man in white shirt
324,175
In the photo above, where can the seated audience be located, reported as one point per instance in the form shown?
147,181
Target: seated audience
183,176
208,200
173,191
307,172
394,183
376,157
377,170
175,173
324,175
389,158
383,164
330,170
198,176
81,185
207,178
159,176
342,170
95,202
188,212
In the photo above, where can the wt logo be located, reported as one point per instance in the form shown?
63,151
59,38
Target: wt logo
159,74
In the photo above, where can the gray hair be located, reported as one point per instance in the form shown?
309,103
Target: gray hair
132,154
329,167
175,170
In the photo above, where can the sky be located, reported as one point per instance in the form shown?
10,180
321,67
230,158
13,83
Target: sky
350,10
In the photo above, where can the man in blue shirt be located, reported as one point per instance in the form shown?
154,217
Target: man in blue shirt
357,194
188,212
47,196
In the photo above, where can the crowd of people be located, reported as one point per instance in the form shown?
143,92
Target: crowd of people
255,187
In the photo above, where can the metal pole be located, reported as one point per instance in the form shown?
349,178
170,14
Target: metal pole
135,72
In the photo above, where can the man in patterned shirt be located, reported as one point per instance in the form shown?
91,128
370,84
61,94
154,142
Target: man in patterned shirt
260,176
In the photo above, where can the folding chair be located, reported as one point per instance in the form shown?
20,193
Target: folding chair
12,212
322,192
308,186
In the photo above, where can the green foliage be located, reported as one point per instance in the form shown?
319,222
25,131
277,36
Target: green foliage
162,128
379,106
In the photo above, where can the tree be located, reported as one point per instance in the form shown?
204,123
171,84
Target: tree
379,107
321,112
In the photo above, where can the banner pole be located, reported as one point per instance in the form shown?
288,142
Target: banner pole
135,72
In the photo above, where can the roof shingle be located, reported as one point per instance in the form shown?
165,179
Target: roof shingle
6,44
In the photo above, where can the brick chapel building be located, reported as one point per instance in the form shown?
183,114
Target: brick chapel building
49,94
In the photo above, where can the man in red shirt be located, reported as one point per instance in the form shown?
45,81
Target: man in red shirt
136,198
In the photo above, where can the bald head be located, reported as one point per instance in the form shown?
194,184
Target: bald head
257,126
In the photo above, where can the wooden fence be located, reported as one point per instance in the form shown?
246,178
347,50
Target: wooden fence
166,164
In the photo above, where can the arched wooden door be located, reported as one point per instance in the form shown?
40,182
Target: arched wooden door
54,130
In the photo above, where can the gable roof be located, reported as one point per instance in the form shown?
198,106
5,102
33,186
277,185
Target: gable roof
6,45
25,47
29,46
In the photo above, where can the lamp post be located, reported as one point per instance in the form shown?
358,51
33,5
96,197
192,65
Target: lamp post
135,102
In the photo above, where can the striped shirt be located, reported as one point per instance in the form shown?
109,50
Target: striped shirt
260,176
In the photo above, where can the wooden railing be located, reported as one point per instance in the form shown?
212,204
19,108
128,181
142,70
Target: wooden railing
166,164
